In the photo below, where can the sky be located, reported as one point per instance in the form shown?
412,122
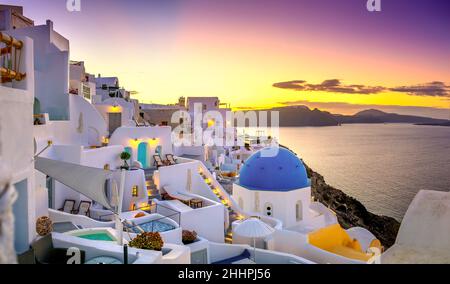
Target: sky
334,55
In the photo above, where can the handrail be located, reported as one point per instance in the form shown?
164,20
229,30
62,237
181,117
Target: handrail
9,40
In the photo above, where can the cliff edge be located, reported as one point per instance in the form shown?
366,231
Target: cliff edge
351,212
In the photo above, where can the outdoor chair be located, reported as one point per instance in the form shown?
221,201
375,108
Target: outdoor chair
69,206
84,208
171,159
158,161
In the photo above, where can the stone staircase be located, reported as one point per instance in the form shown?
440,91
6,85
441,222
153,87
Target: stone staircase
234,216
153,192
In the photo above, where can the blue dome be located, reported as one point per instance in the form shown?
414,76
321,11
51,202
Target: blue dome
283,172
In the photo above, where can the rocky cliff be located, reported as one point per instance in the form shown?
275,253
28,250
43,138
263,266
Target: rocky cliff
351,212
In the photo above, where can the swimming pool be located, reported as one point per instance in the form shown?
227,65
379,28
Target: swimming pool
95,234
155,227
97,237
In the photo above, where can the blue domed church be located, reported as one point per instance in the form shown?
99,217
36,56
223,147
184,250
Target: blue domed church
273,182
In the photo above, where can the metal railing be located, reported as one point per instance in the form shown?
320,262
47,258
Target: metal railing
150,209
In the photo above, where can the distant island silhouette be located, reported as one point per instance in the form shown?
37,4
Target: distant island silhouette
297,116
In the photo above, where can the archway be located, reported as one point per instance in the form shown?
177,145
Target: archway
142,154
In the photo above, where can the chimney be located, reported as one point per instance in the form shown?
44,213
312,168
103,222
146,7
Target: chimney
50,24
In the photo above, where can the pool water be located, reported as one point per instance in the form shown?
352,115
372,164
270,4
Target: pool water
98,237
155,226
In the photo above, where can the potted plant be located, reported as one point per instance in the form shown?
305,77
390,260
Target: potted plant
125,156
148,241
189,237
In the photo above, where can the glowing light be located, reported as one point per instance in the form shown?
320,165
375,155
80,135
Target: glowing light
145,207
114,109
135,191
153,142
105,140
134,142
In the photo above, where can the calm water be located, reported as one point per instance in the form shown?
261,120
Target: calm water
383,166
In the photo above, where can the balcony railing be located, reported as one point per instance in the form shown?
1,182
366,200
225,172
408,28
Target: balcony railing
11,56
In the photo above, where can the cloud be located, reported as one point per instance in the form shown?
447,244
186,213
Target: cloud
436,88
294,85
332,85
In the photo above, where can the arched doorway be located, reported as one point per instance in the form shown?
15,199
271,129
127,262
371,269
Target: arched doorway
142,154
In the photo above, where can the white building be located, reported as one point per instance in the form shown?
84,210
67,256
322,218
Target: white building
51,63
16,147
81,83
277,187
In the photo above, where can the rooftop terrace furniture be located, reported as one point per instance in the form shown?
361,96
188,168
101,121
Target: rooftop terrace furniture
69,206
172,161
158,161
196,203
84,208
240,258
46,253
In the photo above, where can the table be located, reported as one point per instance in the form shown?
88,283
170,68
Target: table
196,203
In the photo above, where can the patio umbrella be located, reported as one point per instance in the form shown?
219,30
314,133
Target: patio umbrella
254,228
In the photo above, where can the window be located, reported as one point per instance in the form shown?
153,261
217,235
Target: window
135,192
299,211
268,209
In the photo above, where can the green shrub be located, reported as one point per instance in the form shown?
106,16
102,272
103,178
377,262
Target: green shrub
147,241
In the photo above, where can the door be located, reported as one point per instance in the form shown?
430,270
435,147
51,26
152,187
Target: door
142,155
50,188
115,121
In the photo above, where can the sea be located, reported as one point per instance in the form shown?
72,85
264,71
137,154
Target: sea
382,165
